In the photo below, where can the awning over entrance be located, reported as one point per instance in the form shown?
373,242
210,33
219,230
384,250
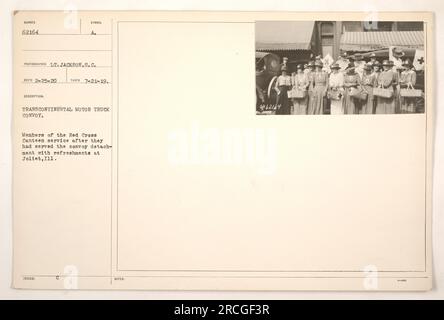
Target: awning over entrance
366,41
384,53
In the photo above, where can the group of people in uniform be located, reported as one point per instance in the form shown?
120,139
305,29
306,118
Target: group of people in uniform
347,86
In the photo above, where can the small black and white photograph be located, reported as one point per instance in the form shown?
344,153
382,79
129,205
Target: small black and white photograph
340,67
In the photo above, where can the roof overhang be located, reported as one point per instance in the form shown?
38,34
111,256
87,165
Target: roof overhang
368,41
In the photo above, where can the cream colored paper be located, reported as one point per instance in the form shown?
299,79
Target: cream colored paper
293,203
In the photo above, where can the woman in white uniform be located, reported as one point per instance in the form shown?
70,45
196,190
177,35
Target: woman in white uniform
336,89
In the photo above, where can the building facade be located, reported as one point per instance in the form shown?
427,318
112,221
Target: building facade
334,37
300,41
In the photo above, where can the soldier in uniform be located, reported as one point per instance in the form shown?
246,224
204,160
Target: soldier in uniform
309,71
343,61
397,54
396,67
309,67
376,72
376,69
372,58
359,64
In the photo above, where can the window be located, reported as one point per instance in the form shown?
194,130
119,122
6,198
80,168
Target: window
327,28
379,26
327,36
410,26
351,26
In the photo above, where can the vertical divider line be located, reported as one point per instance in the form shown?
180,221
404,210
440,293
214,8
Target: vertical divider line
117,152
112,151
